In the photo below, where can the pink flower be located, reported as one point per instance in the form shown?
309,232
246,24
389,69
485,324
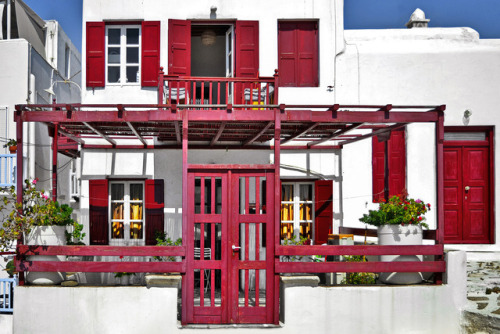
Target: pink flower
45,196
35,181
418,201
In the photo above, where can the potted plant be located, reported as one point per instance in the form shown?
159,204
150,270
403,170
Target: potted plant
399,221
41,221
12,145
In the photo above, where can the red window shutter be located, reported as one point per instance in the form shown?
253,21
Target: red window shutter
287,54
150,62
179,46
95,54
98,213
378,169
323,212
397,163
154,209
307,46
246,59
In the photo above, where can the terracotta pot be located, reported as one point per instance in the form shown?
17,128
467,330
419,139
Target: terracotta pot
400,235
13,149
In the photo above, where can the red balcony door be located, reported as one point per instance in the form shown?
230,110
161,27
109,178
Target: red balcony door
467,191
230,276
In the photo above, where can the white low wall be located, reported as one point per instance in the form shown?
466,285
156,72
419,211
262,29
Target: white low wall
378,309
6,323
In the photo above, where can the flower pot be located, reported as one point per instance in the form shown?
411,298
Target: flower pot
13,149
400,235
46,236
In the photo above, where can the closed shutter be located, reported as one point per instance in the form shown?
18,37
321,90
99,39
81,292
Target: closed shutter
323,210
179,47
98,213
396,169
246,55
154,209
287,53
95,54
150,62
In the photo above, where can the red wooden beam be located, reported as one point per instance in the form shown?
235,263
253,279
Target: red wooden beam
336,134
134,131
300,133
374,133
219,133
105,267
177,132
352,267
71,136
254,138
360,250
109,140
103,250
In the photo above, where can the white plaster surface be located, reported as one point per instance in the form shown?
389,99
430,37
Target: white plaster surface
6,323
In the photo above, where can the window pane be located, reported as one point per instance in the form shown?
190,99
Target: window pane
136,211
136,230
133,36
113,36
286,211
113,55
117,230
287,192
136,192
306,192
305,211
306,230
117,191
287,231
132,73
132,55
113,74
117,210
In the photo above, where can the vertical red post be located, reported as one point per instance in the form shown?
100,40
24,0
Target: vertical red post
161,80
54,161
275,86
19,181
277,199
440,184
186,242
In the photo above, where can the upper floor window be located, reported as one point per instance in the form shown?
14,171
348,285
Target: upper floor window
122,54
298,53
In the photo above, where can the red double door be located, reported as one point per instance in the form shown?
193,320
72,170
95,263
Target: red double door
467,195
230,271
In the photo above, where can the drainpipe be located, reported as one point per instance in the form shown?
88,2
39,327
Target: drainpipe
9,18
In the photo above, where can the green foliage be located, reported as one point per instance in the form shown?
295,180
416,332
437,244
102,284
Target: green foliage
358,278
36,209
76,236
398,210
162,239
11,142
295,241
10,268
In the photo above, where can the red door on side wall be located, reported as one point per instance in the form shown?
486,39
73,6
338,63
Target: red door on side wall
467,188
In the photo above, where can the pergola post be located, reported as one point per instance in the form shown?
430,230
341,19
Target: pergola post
277,203
54,161
440,184
19,180
185,207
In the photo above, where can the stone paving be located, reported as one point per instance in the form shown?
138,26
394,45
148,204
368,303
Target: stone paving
482,314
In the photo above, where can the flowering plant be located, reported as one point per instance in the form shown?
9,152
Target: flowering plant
399,210
36,209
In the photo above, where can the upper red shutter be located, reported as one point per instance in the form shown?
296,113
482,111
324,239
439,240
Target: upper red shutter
397,163
95,54
154,209
307,49
179,47
246,55
287,54
378,169
323,211
98,213
150,62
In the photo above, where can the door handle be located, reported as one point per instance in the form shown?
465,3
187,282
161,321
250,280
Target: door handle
467,188
235,248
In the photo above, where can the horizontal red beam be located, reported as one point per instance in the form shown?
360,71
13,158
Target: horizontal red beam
370,232
231,166
103,250
352,267
101,267
360,250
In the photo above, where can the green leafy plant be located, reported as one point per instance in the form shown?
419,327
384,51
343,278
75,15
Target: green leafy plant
295,241
162,239
35,209
76,236
399,210
358,278
10,142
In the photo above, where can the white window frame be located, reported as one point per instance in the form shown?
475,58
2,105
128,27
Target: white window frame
296,208
126,214
74,179
123,54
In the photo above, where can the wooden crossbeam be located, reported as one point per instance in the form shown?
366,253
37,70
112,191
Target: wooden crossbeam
109,140
336,134
219,133
254,138
300,133
134,130
374,133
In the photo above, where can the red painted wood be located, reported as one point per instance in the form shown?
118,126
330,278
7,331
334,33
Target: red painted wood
105,267
187,227
103,250
19,184
98,212
323,211
54,162
150,49
361,250
95,54
246,60
350,267
378,169
154,198
179,47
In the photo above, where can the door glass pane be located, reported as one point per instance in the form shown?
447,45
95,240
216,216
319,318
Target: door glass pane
117,192
136,192
117,230
136,230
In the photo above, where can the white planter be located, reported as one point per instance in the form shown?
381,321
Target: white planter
46,236
400,235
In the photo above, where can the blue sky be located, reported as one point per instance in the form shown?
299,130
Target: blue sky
481,15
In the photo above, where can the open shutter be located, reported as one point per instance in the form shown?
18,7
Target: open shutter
154,209
246,54
95,54
323,192
397,163
287,54
179,47
99,226
378,169
307,46
150,62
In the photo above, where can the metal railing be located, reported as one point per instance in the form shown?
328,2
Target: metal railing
7,170
7,294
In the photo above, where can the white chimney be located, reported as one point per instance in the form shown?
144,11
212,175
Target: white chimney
417,20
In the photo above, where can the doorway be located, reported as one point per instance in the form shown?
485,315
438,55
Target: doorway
468,187
229,275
